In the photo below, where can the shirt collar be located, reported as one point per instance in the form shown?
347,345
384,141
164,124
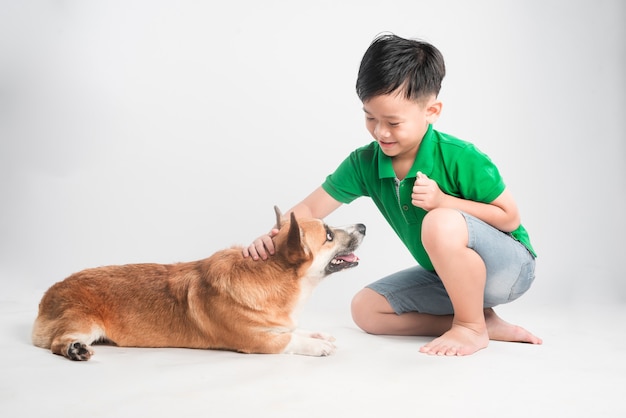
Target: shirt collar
423,160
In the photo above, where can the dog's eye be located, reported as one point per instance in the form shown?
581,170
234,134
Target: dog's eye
329,235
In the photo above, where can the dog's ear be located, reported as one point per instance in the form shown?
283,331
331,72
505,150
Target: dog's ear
280,219
295,252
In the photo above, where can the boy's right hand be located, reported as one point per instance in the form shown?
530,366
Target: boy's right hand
262,247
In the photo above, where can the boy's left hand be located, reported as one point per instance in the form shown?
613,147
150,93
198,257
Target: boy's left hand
426,193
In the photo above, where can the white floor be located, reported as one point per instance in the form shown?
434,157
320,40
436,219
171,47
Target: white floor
580,370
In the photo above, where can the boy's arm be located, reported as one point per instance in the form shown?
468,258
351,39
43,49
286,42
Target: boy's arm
502,213
318,204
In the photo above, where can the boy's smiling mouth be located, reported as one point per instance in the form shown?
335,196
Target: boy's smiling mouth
386,143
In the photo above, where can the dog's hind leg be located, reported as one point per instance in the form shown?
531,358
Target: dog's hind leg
69,339
75,350
76,345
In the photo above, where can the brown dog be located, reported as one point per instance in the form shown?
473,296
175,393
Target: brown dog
223,302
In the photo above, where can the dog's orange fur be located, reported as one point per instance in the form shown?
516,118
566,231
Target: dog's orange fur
225,301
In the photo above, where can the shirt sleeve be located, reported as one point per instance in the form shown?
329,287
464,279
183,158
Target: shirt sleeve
346,183
479,178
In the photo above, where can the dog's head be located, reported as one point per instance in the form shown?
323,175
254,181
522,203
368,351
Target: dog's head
317,247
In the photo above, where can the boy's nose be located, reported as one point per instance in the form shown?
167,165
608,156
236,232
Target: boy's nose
380,132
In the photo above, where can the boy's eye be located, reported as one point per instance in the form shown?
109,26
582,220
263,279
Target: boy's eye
394,123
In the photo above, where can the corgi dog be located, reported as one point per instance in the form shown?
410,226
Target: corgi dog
223,302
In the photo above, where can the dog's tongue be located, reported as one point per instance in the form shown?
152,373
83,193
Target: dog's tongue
350,258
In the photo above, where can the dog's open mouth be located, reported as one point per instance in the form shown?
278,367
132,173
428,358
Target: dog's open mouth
342,261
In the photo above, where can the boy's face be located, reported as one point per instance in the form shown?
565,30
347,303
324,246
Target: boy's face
399,124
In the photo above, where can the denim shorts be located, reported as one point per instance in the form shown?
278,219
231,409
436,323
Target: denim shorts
510,272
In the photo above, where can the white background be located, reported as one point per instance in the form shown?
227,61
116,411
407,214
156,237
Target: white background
156,131
153,131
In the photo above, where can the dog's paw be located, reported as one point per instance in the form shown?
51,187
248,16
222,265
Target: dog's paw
322,336
318,335
79,351
309,346
326,348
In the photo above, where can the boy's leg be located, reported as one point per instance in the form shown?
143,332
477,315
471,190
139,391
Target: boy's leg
408,302
415,301
463,273
372,312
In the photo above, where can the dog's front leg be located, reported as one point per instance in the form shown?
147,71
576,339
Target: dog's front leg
310,343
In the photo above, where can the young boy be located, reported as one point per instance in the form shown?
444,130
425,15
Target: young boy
444,198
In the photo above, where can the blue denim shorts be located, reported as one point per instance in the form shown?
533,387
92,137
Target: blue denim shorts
510,272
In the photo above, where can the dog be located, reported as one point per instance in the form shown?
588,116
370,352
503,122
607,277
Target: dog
223,302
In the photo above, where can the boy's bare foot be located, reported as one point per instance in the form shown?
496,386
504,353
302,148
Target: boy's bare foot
457,341
500,330
461,340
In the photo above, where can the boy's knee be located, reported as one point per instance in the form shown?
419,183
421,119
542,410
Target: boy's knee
440,225
358,309
363,309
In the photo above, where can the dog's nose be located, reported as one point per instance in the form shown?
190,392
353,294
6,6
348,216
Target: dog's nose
360,228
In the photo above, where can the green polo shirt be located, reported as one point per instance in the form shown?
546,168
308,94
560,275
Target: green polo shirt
458,167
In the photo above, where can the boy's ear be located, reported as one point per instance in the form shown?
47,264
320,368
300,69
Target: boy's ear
433,110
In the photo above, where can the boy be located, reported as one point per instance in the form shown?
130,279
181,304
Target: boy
445,200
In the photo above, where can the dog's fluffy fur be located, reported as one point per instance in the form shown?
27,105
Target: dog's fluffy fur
223,302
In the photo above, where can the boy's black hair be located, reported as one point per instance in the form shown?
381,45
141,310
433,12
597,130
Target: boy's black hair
392,62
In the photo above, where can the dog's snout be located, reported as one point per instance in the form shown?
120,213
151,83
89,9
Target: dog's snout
360,228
